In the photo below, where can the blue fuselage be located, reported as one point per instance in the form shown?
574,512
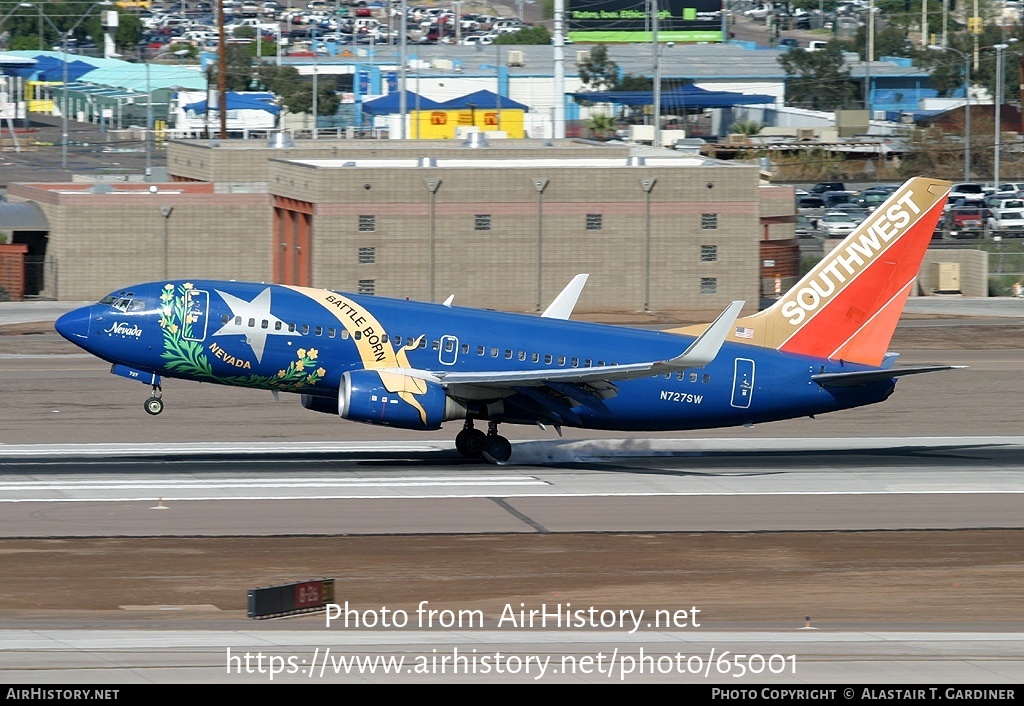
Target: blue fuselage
290,339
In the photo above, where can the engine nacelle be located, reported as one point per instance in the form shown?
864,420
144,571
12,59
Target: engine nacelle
395,400
327,405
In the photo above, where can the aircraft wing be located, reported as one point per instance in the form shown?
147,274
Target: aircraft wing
698,355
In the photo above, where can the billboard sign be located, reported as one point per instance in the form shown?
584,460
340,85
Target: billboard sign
629,20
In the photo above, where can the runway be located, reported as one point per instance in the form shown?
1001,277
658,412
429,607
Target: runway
558,486
335,655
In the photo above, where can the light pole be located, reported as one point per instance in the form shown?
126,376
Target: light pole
656,97
64,59
967,98
316,87
999,102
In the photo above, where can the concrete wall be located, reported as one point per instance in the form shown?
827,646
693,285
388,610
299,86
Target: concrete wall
973,271
101,241
498,267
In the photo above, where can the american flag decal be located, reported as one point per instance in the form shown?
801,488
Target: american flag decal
744,332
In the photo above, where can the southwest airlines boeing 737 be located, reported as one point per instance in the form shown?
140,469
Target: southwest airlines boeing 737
821,347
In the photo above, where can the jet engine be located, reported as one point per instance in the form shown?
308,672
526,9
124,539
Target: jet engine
389,399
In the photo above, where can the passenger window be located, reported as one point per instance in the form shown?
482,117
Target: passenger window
252,323
535,357
357,335
522,355
575,362
224,319
465,348
277,325
588,363
547,358
344,334
508,354
480,350
706,378
264,324
318,331
561,360
449,345
435,345
305,329
331,332
693,377
494,352
238,321
423,342
680,375
384,338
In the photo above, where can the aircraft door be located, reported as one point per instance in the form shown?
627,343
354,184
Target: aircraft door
197,304
742,383
449,351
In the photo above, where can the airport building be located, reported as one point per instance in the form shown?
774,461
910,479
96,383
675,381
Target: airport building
503,226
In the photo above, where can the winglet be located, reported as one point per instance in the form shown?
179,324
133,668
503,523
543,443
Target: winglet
565,302
704,350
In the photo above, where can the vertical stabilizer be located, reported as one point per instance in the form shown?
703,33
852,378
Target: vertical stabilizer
848,306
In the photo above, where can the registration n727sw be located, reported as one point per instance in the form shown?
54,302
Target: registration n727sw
822,347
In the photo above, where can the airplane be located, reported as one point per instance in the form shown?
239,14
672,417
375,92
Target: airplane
821,347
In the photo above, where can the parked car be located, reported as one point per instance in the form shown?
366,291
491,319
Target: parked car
971,190
834,198
967,221
805,227
871,198
824,186
1008,223
803,202
836,224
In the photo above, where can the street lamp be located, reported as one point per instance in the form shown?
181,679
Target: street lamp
656,97
1000,80
64,59
967,98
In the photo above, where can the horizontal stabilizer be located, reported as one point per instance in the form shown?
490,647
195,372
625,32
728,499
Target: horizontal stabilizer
866,377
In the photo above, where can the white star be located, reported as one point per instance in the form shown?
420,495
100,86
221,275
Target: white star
258,311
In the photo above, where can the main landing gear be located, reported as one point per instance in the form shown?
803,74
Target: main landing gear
154,405
492,447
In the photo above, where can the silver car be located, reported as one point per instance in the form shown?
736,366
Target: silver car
836,224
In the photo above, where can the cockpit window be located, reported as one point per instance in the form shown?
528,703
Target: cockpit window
124,301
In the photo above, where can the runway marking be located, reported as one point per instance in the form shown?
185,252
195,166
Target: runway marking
492,496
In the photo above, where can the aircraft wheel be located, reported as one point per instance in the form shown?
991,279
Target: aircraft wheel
154,405
497,449
470,442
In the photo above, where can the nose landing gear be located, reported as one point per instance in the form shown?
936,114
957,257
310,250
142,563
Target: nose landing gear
155,405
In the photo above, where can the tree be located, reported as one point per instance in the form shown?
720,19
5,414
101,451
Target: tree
529,35
598,72
296,94
600,124
746,127
818,80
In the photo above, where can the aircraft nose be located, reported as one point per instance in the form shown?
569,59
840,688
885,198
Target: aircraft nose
74,325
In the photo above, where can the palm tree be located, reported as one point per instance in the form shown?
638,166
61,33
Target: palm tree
601,124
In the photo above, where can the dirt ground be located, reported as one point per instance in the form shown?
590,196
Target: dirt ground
838,579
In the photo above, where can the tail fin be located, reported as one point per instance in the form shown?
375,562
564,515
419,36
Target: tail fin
848,306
